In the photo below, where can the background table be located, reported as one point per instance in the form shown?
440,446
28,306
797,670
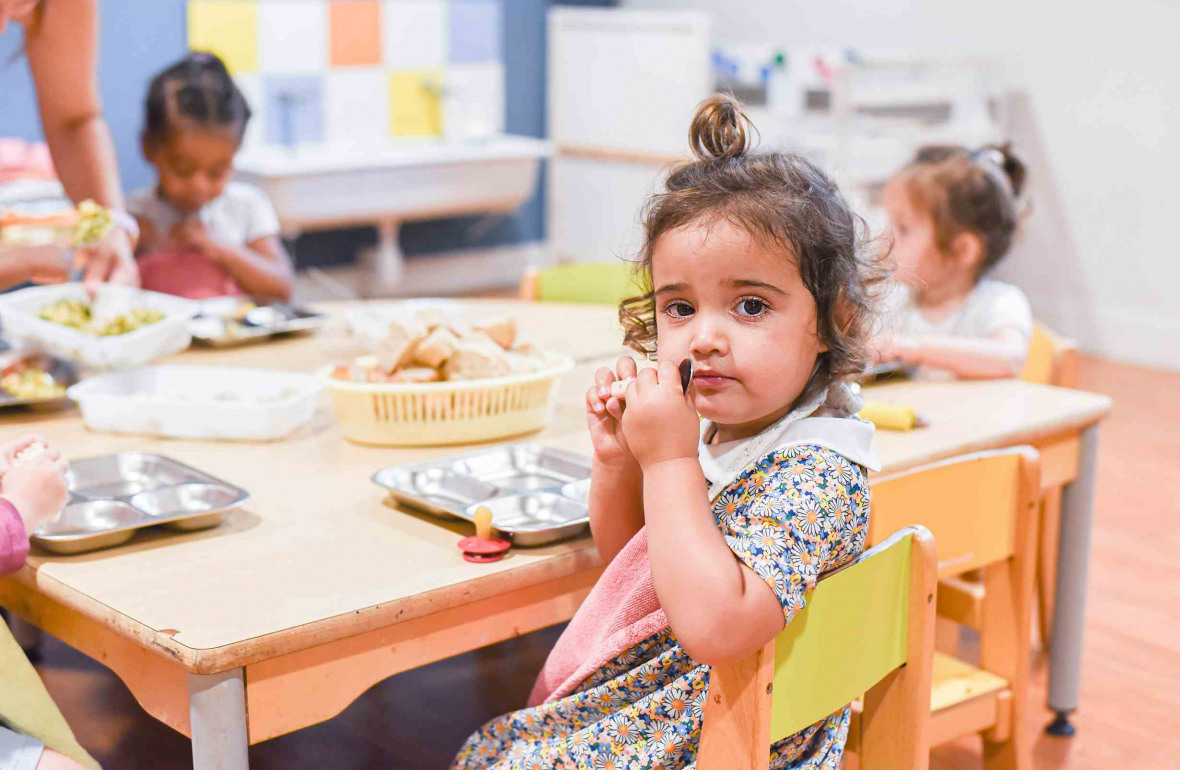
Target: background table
319,587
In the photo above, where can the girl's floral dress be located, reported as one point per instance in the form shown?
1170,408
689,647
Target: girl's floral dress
791,516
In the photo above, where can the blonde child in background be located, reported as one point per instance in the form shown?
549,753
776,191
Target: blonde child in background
202,235
954,214
714,531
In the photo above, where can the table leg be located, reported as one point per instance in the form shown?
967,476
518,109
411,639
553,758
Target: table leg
1073,561
217,718
385,260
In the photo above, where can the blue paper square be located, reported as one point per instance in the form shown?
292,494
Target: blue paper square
294,109
475,31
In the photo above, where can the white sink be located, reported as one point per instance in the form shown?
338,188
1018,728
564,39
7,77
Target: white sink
335,185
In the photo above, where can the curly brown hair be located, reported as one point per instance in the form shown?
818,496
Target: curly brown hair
973,191
788,204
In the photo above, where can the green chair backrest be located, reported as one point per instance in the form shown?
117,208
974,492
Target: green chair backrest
26,707
594,283
852,633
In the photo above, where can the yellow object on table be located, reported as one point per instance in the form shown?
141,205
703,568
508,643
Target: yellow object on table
888,416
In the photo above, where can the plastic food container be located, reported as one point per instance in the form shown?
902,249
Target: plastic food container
438,413
198,402
24,328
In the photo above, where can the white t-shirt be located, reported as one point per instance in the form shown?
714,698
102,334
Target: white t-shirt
991,307
240,215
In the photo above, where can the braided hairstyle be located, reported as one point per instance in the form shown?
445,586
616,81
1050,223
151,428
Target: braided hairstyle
196,91
787,203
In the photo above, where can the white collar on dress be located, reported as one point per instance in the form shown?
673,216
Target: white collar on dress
828,421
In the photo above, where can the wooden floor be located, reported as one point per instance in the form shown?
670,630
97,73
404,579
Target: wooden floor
1130,715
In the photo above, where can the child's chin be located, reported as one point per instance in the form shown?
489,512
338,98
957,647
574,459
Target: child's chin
717,410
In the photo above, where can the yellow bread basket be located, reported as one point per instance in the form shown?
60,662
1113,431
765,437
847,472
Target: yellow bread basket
439,413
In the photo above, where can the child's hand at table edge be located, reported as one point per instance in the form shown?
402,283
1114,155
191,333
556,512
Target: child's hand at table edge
9,451
604,414
37,489
659,423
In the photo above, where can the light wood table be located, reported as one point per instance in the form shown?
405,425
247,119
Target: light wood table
319,588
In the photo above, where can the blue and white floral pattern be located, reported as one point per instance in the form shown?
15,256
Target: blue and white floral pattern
790,517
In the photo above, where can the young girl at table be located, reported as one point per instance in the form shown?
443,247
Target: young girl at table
714,530
954,213
202,235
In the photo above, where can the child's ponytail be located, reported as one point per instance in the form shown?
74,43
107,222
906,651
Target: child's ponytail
974,191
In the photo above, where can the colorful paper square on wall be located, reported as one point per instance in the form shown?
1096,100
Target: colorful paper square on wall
355,32
293,36
415,33
475,31
228,28
357,105
415,107
294,109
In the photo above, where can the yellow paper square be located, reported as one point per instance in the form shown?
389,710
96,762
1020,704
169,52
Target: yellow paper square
415,106
228,28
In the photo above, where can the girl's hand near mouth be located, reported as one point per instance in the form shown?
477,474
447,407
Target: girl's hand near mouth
659,423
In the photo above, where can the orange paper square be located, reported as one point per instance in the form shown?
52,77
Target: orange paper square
355,32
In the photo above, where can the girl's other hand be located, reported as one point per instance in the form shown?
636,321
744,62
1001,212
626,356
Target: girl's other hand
659,422
111,260
603,415
37,488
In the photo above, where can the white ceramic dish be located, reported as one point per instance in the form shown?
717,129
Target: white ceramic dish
198,402
23,328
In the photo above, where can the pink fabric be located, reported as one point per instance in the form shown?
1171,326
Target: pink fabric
621,611
24,160
14,541
185,274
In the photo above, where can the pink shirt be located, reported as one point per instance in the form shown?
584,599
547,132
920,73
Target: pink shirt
14,541
185,274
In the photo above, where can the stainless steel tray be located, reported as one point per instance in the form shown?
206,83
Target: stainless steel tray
113,496
214,328
62,372
530,489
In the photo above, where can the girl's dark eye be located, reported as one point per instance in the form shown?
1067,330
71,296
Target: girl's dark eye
679,309
751,307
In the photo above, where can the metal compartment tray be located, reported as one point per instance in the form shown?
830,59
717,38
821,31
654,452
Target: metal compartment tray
216,327
534,492
113,496
60,371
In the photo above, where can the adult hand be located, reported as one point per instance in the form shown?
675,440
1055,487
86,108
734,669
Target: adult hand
111,260
40,264
659,423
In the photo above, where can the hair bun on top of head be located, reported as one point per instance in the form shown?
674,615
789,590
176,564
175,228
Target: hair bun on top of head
1000,157
720,130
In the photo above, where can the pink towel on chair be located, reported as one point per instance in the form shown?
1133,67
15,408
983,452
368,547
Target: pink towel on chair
621,611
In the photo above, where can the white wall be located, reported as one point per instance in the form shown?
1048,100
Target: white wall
1097,118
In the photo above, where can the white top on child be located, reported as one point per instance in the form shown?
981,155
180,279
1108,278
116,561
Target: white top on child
239,216
992,306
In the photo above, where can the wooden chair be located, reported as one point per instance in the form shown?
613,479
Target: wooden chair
866,628
981,509
1052,360
593,283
